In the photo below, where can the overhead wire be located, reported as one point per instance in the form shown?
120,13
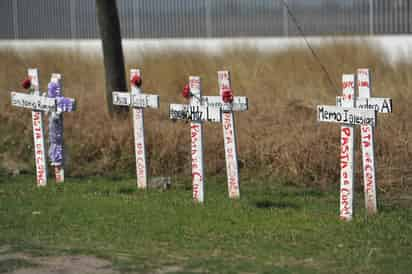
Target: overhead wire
312,50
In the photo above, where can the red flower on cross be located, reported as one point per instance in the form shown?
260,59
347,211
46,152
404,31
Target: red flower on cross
26,83
186,91
227,95
136,80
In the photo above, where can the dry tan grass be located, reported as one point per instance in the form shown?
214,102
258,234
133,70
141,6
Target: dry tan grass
278,136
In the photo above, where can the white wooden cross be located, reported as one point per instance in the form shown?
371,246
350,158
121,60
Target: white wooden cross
381,105
38,104
197,112
228,104
348,115
138,101
63,104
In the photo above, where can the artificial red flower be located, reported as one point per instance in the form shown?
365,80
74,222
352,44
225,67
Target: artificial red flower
227,95
26,83
186,91
136,80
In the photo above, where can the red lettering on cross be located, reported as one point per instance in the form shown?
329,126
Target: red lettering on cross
139,149
196,185
346,131
366,144
363,84
368,168
366,129
347,84
345,206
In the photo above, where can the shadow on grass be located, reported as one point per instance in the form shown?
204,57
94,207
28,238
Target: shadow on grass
317,193
127,190
266,204
10,265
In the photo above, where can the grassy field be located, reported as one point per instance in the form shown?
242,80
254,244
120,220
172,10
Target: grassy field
278,136
274,228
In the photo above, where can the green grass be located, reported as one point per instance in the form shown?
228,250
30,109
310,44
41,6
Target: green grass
9,265
274,228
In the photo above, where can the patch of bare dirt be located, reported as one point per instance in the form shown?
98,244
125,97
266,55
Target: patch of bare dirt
12,262
54,264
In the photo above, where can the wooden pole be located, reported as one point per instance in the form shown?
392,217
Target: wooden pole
109,27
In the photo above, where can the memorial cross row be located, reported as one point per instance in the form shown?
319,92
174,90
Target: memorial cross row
197,112
138,101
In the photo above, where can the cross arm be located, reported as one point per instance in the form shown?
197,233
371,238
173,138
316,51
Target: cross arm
65,104
240,103
135,100
344,115
381,105
145,101
32,101
195,113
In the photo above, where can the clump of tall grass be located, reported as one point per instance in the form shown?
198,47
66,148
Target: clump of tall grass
278,136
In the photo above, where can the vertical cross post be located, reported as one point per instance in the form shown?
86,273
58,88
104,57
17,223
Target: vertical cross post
367,144
347,151
38,104
63,104
138,101
196,133
229,135
38,132
196,112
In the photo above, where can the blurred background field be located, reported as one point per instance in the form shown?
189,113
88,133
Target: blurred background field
278,137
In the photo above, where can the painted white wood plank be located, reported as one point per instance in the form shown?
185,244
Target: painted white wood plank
31,101
367,144
121,98
196,130
145,101
347,152
346,115
195,113
230,140
38,133
240,103
139,136
381,105
135,100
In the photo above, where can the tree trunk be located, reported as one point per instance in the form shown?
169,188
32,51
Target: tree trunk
109,27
